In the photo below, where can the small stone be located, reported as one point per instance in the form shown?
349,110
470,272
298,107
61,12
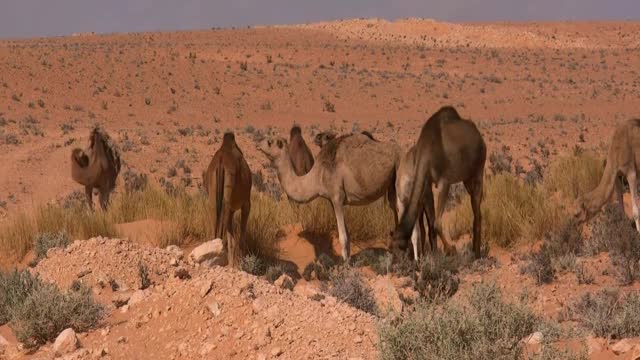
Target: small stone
67,342
205,287
535,338
207,250
83,272
214,309
122,340
215,261
206,349
137,297
173,262
635,352
357,339
261,357
622,347
276,351
176,251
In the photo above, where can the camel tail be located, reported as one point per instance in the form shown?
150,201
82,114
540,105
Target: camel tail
410,215
219,202
595,199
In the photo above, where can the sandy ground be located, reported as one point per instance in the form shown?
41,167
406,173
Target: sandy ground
538,88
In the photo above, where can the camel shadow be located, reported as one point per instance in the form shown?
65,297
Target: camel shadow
321,242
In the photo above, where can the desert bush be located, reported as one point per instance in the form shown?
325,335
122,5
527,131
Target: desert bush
15,287
540,266
253,265
45,241
46,311
347,285
607,313
378,260
143,275
437,279
273,273
482,327
510,210
134,181
321,268
500,162
573,176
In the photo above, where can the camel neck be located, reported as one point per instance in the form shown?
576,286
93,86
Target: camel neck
301,189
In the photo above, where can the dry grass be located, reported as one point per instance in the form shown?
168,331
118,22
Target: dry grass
511,210
573,176
364,223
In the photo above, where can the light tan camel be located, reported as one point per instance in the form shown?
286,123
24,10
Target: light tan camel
301,157
349,170
324,137
96,167
623,159
227,182
449,150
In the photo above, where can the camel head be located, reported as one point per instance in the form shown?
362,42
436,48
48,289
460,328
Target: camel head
323,138
580,215
80,157
295,130
273,148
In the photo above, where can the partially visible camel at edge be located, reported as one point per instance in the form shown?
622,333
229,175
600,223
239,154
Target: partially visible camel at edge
349,170
97,167
324,137
227,182
623,159
449,150
301,157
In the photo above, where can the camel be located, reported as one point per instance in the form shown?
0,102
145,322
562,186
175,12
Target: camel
324,137
623,159
301,157
227,182
97,167
449,150
405,177
349,170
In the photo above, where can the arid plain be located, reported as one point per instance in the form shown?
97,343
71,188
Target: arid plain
539,93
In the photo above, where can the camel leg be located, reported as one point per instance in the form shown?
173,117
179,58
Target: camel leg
391,197
244,213
88,191
104,199
233,255
343,236
429,208
441,195
631,178
421,234
474,188
619,193
415,239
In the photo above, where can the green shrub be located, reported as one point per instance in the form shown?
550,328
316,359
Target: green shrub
485,328
47,311
45,241
348,286
253,265
607,313
15,287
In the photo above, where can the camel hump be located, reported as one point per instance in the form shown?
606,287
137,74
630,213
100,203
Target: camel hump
447,112
369,135
295,130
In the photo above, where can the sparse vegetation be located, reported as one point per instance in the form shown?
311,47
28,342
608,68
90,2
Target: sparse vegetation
253,265
486,327
347,285
45,241
574,175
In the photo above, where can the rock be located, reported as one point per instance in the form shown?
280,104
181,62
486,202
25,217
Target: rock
534,339
276,351
206,349
594,344
635,353
205,287
173,262
137,297
261,357
121,299
357,339
83,272
67,342
207,250
284,282
182,273
122,340
622,347
259,305
175,251
216,261
4,344
214,308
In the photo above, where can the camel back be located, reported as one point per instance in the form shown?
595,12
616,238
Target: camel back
100,138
